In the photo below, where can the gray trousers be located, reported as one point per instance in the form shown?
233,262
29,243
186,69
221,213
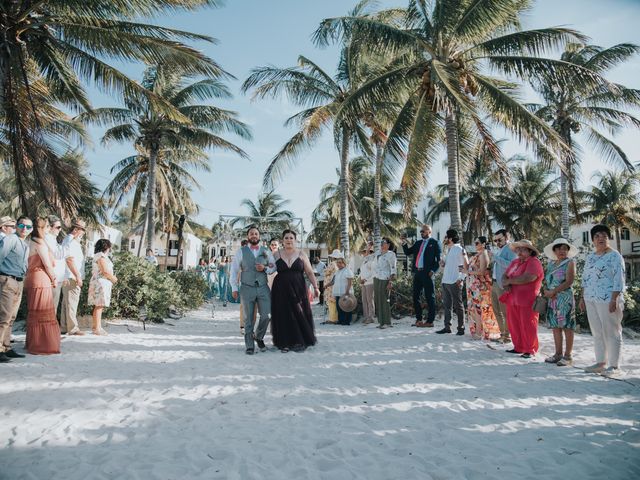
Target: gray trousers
500,310
452,300
70,300
249,298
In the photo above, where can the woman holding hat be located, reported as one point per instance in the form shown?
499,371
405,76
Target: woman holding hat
341,284
558,282
522,281
602,288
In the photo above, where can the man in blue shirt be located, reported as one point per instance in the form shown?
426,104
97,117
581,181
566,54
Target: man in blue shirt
501,257
14,255
425,264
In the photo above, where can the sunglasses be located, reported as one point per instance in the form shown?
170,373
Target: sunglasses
57,228
28,227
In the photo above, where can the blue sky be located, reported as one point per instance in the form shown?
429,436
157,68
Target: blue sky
259,32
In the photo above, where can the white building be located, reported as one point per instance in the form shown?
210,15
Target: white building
166,249
102,231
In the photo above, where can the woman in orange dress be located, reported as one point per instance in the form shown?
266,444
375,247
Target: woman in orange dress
43,331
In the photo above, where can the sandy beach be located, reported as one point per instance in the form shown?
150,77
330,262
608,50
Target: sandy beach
183,401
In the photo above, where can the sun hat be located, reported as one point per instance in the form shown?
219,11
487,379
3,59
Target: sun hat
6,220
548,250
348,302
77,223
525,244
337,254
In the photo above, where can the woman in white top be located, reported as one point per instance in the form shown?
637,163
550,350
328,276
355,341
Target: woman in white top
341,284
385,273
101,283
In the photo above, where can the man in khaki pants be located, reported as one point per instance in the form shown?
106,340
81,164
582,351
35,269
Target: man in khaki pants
74,258
14,257
501,257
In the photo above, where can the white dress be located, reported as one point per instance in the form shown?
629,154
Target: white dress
99,286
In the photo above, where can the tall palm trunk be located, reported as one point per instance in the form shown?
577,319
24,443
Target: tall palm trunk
451,131
564,189
618,238
344,193
151,196
377,196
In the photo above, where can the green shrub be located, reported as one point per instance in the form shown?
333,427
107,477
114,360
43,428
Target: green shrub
192,288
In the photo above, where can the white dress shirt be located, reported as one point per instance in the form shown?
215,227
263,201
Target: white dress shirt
386,266
236,265
73,249
340,280
319,269
367,270
57,250
453,261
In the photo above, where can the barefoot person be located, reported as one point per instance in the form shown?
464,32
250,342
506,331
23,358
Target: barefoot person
291,319
251,265
101,283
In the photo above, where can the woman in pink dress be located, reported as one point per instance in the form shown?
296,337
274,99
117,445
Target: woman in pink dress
522,281
43,331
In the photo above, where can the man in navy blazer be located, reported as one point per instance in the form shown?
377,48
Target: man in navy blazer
424,265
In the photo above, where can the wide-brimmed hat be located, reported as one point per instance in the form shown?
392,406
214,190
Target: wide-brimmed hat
337,254
525,244
6,220
77,223
548,250
348,303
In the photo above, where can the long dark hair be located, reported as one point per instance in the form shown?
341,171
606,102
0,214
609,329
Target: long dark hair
39,225
288,230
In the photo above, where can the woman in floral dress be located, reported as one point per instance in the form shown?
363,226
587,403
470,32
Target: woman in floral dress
102,280
483,323
558,281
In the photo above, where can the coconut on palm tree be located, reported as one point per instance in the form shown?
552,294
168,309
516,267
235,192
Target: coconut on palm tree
576,112
614,201
443,50
58,44
159,137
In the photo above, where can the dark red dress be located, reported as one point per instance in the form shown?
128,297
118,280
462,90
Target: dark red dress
291,319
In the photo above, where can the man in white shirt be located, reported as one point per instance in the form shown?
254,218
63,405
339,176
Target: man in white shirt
74,275
319,267
60,267
251,265
367,270
452,281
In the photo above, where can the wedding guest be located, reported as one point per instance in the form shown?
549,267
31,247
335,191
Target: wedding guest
7,226
522,281
558,283
452,281
14,253
367,271
43,331
480,312
101,283
274,246
74,276
500,260
319,267
341,284
426,252
59,267
211,277
329,272
291,318
603,284
151,258
385,274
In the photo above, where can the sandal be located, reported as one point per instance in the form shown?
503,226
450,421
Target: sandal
555,358
565,362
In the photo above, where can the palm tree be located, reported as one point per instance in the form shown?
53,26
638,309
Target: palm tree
322,96
614,201
268,213
570,110
55,45
442,48
529,209
156,134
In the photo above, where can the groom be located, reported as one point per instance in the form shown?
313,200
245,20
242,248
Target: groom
253,262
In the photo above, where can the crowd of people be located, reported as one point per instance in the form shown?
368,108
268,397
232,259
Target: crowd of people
37,258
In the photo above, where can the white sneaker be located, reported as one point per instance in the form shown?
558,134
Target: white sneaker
612,372
595,368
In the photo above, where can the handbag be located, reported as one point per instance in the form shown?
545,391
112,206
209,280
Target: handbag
540,304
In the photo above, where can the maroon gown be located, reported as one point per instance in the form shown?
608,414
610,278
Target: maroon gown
43,331
291,318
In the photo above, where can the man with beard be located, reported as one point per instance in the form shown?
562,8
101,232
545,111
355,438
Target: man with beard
253,262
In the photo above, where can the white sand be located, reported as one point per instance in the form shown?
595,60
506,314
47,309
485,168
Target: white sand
185,402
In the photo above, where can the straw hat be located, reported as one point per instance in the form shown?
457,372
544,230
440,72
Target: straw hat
348,302
337,254
548,250
77,223
525,244
6,221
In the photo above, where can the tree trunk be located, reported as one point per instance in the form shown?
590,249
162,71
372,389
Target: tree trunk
151,196
377,195
618,231
451,130
564,191
344,194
